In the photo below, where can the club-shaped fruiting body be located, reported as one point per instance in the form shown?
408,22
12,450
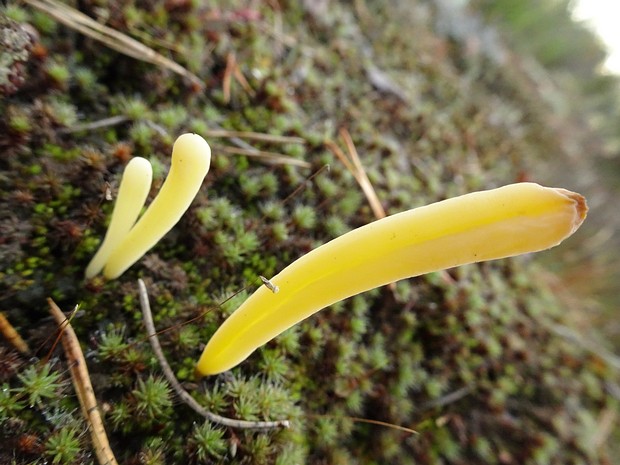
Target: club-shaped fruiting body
135,186
486,225
191,158
127,240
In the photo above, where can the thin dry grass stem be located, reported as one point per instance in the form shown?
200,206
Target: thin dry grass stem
232,70
288,40
12,336
605,426
83,387
271,158
112,38
304,184
361,176
146,38
263,137
355,167
57,336
369,421
227,78
182,393
353,163
331,145
94,125
242,80
278,29
448,398
384,424
362,11
205,312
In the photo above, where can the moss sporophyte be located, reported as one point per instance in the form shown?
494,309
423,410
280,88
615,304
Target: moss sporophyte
487,225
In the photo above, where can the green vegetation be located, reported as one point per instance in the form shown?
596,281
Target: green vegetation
481,360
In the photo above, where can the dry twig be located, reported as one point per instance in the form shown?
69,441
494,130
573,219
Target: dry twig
232,69
354,165
83,387
11,335
272,158
114,39
182,393
304,184
94,125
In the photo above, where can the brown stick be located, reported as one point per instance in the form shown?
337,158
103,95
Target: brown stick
11,335
83,387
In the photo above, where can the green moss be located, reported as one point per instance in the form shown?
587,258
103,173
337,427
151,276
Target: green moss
63,447
274,365
38,384
120,417
63,113
273,210
85,78
15,13
134,108
20,123
280,232
10,405
142,133
59,73
209,442
154,453
304,217
44,23
250,186
172,117
112,343
152,398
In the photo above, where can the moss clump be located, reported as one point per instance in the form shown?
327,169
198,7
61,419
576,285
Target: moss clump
473,359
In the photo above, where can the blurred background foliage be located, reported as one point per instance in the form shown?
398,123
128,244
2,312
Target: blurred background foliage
573,56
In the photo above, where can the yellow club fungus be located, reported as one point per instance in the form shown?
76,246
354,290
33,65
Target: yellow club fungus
135,186
191,158
492,224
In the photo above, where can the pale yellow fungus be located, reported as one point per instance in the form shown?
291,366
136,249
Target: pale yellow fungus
486,225
191,157
135,186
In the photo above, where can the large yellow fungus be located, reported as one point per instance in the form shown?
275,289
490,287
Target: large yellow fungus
486,225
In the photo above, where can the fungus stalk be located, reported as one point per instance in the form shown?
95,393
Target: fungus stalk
487,225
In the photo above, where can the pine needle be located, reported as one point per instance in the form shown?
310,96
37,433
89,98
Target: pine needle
354,165
112,38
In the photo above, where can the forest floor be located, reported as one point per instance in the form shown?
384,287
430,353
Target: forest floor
496,363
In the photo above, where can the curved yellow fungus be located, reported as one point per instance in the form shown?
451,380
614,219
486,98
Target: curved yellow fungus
486,225
191,157
135,186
